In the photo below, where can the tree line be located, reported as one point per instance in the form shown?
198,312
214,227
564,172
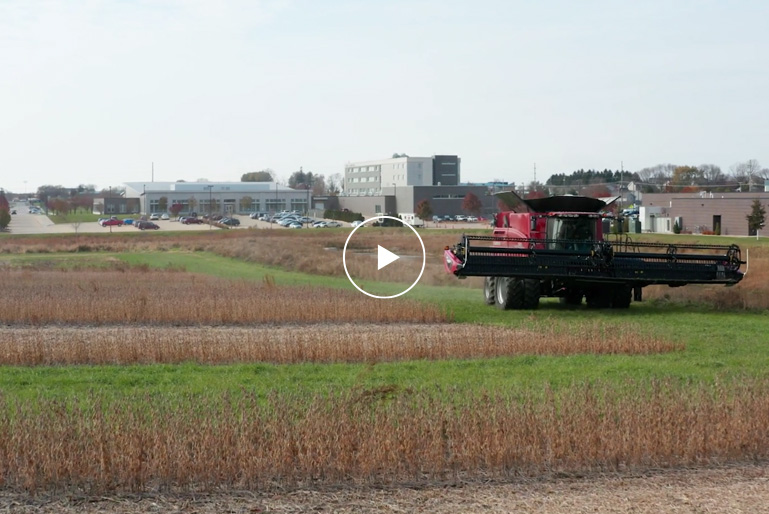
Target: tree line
302,180
666,178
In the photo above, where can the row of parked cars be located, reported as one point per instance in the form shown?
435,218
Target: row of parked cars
114,221
296,220
458,217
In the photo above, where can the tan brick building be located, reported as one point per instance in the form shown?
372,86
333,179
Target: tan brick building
699,212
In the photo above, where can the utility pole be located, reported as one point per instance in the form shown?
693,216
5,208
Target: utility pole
621,174
210,199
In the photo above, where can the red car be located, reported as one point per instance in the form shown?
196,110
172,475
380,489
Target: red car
112,222
192,221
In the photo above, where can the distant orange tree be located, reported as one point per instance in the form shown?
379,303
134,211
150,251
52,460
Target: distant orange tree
424,211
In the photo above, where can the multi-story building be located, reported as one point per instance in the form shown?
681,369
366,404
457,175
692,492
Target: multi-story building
399,184
367,178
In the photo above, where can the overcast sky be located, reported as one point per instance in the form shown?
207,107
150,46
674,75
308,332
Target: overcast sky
94,92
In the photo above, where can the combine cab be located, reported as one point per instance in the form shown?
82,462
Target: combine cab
556,248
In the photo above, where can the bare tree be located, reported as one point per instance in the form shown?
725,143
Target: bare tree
712,174
334,184
746,173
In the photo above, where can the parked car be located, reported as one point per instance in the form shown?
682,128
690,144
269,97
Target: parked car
472,219
189,220
232,222
146,225
128,221
154,216
295,224
112,222
333,224
356,223
165,217
284,222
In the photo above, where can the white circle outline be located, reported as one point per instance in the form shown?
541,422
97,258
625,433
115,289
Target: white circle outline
344,258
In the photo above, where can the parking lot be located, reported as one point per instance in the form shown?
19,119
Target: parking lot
25,223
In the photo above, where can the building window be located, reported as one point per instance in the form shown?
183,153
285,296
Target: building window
448,197
275,204
299,204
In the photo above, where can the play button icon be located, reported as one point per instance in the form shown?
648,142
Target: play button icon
384,257
392,270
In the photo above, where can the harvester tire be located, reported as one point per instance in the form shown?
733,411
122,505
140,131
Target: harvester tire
489,290
530,293
572,298
510,293
600,298
502,292
621,297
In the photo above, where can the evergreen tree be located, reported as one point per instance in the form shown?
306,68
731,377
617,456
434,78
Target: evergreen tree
757,217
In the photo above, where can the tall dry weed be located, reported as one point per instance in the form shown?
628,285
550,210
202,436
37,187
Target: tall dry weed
321,343
168,297
388,435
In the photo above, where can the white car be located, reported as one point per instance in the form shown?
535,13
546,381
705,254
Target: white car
154,216
356,223
165,216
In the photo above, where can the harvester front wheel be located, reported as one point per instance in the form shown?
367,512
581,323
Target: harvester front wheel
489,290
509,293
530,293
516,293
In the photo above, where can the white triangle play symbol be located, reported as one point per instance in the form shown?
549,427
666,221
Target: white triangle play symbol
384,257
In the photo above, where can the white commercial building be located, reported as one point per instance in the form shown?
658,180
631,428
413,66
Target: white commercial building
217,197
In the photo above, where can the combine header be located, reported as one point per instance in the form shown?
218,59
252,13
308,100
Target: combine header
556,248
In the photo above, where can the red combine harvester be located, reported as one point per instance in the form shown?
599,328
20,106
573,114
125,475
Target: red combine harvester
555,247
